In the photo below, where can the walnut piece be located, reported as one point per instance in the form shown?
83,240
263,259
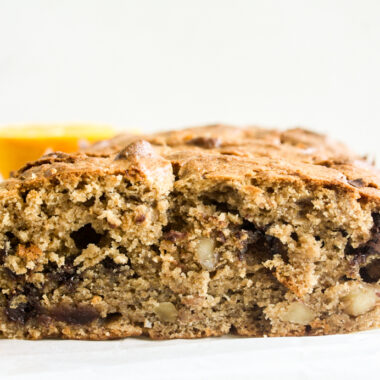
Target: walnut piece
359,301
166,312
298,313
205,253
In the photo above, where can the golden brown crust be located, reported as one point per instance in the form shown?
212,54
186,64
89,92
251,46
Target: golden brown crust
227,152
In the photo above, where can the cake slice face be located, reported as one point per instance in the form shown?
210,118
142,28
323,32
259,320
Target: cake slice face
200,232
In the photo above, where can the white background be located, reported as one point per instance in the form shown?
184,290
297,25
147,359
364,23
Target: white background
162,64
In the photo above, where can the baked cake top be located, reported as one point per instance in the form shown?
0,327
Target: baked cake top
216,152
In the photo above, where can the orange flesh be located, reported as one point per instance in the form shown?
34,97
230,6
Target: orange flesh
18,145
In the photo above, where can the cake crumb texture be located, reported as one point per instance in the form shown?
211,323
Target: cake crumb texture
192,233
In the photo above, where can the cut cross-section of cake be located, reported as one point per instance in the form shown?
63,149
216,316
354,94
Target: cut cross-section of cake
192,233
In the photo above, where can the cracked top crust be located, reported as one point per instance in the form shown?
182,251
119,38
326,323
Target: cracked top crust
215,152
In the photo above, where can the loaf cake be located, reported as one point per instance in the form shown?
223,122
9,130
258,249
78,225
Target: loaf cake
192,233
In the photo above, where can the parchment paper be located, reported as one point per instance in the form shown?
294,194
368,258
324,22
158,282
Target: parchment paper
353,356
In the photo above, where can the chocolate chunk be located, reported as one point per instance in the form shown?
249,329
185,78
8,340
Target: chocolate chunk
356,182
90,202
294,236
13,241
206,142
305,203
372,246
260,245
84,236
371,272
32,292
359,256
64,275
20,314
376,220
108,263
75,315
176,168
123,250
24,194
112,317
25,310
275,246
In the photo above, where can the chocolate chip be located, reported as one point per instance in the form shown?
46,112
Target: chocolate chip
20,314
108,263
275,246
64,275
84,236
31,292
25,310
206,142
75,315
294,236
24,194
260,245
140,218
176,167
371,247
13,241
358,182
90,202
2,256
112,317
123,250
376,219
371,272
305,202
